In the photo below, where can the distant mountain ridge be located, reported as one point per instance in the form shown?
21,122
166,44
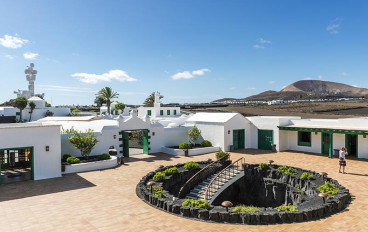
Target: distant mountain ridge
308,89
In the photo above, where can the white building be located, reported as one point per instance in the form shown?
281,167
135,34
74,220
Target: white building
103,109
157,111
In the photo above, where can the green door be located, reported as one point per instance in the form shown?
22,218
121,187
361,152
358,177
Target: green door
265,139
125,143
351,144
145,141
327,144
238,139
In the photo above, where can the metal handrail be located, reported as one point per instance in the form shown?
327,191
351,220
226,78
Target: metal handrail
227,172
195,175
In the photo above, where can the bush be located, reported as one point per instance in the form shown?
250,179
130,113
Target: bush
329,188
155,188
191,165
224,156
200,204
104,156
287,170
73,160
264,166
159,194
306,176
245,209
65,157
184,146
159,176
288,208
206,143
170,171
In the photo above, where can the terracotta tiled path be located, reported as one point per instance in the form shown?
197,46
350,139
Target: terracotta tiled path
106,200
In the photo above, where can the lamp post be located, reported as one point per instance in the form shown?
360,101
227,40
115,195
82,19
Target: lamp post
151,184
270,162
227,204
323,174
324,196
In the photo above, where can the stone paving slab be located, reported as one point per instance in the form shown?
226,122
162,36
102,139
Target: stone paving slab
106,200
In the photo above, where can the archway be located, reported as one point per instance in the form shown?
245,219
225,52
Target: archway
135,142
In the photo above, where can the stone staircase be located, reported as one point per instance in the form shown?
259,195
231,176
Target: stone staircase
198,193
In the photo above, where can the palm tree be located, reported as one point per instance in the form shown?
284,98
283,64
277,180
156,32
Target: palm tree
107,93
150,100
20,103
32,106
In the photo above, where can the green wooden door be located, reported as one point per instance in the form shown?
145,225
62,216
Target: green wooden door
235,139
125,143
145,141
351,144
238,139
265,139
327,144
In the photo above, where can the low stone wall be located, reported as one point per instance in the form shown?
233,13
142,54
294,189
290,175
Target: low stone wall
191,152
309,208
91,166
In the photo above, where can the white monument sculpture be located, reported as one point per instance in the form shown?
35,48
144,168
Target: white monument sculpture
31,77
157,102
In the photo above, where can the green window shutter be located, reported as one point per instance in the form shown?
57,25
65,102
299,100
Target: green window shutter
174,112
161,112
17,113
304,139
168,112
149,112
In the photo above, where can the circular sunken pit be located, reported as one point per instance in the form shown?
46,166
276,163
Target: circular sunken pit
266,189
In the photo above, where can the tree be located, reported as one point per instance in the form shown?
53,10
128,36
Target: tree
150,100
120,106
107,94
20,103
32,106
99,101
75,112
83,141
194,134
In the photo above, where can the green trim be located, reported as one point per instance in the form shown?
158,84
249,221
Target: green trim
259,139
304,144
330,144
174,112
149,112
325,130
168,112
161,112
348,147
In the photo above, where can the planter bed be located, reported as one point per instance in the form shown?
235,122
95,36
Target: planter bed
91,165
191,152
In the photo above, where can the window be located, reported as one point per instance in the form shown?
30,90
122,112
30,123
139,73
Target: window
168,112
174,112
161,112
304,139
149,112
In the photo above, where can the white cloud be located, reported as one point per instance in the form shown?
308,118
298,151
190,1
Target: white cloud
355,86
344,74
252,88
271,82
308,78
263,41
30,55
190,74
257,46
334,26
320,77
9,41
60,88
8,56
118,75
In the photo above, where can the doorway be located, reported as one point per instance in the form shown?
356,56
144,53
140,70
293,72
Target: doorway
135,142
326,144
265,139
238,139
16,164
351,144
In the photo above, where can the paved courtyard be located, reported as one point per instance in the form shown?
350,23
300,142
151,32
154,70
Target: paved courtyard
106,200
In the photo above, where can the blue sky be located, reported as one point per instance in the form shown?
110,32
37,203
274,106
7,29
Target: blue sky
191,51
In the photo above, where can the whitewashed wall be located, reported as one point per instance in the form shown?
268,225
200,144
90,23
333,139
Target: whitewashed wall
293,142
362,147
213,132
47,164
238,122
166,137
41,113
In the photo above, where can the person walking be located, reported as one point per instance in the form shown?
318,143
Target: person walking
342,162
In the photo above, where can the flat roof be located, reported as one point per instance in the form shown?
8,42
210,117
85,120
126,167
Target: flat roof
211,117
25,125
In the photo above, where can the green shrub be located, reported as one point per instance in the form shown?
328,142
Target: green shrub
155,188
65,157
184,146
159,176
191,165
287,170
104,156
224,156
329,188
289,208
73,160
306,176
170,171
206,143
245,209
200,204
264,166
159,194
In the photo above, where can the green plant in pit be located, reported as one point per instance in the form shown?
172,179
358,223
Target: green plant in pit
104,156
264,166
206,143
245,209
191,165
222,156
73,160
159,194
184,146
159,177
329,188
65,157
287,170
155,188
200,204
306,176
288,208
170,171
